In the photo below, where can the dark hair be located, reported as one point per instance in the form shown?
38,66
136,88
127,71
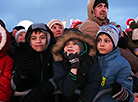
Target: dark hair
19,27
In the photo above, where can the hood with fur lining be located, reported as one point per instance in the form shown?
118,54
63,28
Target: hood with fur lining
72,34
4,41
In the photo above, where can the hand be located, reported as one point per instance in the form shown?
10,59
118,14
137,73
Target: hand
119,93
74,60
24,64
40,92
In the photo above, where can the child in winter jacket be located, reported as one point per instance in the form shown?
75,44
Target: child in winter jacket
6,66
117,83
75,67
34,65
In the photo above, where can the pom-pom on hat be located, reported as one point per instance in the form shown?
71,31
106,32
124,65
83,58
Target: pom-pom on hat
113,32
100,1
54,21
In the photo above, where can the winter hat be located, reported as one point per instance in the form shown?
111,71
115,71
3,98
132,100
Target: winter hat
54,21
113,32
128,21
100,1
80,44
77,24
43,28
18,32
19,27
135,34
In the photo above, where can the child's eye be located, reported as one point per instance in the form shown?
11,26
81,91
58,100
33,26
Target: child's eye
98,40
60,27
107,41
43,37
33,38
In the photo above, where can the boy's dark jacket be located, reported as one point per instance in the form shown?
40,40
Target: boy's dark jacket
88,77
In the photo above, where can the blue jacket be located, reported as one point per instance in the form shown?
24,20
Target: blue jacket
114,68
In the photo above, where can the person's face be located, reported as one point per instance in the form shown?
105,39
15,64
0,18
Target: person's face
104,44
21,37
71,47
57,30
100,11
14,32
38,41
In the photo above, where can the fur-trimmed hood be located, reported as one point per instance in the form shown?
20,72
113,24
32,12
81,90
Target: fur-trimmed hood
72,34
4,41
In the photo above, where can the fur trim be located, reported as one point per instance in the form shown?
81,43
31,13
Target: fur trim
3,37
56,51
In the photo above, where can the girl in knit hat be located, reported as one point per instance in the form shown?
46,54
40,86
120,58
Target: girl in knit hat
75,67
20,36
116,74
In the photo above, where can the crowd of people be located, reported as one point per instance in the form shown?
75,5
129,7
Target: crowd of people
91,61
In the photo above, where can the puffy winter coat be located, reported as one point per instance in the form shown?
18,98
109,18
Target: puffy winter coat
88,77
114,68
6,66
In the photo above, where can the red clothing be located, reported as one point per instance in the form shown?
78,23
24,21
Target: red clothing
6,66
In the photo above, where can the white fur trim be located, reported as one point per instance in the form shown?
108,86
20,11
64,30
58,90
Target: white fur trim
4,37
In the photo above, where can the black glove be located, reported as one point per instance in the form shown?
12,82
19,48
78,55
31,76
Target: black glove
40,92
119,93
24,64
73,59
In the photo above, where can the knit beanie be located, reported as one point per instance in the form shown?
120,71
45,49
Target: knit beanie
135,34
113,32
100,1
80,44
54,21
18,32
